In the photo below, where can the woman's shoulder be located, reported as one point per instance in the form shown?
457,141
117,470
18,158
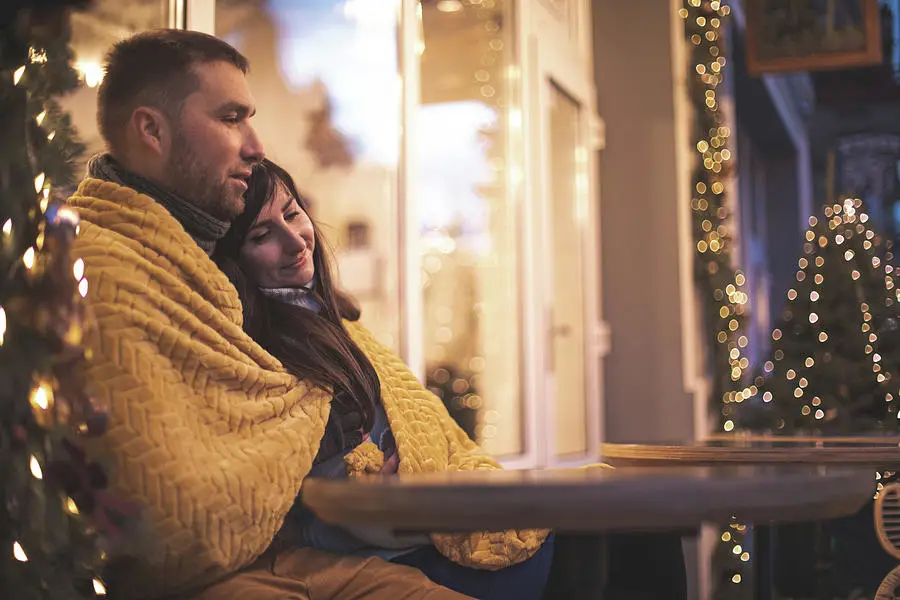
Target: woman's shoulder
381,355
362,336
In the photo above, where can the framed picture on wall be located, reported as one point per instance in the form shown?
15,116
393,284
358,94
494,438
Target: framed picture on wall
812,35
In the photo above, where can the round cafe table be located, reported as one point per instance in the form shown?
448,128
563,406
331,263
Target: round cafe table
590,499
872,453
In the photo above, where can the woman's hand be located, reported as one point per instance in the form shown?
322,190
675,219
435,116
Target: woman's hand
391,464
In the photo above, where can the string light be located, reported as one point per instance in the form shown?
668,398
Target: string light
42,397
19,552
71,506
78,269
29,257
99,588
53,311
704,20
35,468
37,55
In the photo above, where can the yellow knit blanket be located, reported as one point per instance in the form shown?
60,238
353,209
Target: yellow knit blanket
208,431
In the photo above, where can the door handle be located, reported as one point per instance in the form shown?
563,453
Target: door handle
560,330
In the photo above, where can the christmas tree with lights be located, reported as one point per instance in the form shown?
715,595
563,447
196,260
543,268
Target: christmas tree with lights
53,509
835,353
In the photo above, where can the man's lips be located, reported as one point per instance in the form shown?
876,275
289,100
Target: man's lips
242,177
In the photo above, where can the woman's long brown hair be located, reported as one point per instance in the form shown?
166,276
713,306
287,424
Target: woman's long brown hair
315,347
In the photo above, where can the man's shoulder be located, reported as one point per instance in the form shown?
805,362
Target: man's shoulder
92,192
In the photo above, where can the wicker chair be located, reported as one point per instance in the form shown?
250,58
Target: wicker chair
887,519
887,526
890,587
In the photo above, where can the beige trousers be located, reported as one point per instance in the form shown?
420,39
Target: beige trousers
307,574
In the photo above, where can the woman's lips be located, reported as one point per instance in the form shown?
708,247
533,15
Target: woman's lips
299,262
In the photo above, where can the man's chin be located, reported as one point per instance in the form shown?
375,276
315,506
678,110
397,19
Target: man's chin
235,207
228,207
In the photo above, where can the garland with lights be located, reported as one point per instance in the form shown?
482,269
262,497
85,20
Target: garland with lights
52,508
724,301
834,369
720,285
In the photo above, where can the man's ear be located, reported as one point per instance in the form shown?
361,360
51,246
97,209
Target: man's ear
151,129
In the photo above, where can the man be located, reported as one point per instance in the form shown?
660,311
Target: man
207,430
174,109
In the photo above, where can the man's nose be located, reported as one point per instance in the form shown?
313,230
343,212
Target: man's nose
252,150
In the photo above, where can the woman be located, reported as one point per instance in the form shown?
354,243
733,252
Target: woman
276,258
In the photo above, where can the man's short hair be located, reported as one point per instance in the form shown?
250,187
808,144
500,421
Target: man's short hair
155,68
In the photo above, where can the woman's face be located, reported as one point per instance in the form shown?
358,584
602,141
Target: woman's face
278,249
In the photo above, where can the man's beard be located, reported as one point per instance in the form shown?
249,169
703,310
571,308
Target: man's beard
194,183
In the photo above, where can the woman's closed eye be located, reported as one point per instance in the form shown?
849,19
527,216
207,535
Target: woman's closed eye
258,238
291,215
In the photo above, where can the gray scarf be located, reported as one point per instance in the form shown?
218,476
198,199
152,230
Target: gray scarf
299,296
205,229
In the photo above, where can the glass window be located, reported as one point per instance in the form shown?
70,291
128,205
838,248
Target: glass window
94,30
469,156
324,74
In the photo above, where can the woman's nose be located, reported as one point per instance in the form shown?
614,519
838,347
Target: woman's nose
295,242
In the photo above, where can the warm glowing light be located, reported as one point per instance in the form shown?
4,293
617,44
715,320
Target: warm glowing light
78,269
28,258
19,552
449,6
36,468
42,396
91,72
99,588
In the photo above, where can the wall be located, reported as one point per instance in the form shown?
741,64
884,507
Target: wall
641,183
651,373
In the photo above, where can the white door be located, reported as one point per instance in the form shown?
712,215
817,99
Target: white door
565,236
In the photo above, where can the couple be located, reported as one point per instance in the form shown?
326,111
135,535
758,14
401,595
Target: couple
232,368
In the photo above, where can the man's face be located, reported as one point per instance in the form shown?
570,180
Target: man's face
213,145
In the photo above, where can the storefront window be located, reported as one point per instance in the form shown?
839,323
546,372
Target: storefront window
94,31
468,163
325,77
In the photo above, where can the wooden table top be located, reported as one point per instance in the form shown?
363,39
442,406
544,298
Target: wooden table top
874,452
592,499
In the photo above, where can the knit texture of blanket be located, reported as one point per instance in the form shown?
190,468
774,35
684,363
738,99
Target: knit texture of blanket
208,432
